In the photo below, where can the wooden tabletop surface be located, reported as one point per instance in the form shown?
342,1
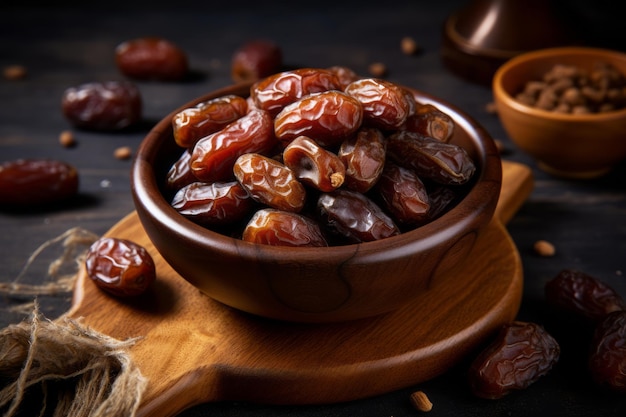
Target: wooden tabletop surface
64,46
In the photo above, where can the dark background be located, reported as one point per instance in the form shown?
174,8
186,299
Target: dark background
62,46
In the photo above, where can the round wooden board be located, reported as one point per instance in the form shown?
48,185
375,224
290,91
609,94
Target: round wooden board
194,349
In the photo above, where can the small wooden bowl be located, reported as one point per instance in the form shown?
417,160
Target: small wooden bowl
565,145
314,284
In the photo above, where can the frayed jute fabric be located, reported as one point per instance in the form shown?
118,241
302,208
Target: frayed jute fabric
68,368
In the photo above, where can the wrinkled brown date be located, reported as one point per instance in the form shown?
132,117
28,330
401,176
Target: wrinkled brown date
275,92
179,174
403,194
428,120
345,75
192,124
327,117
120,267
35,182
579,293
607,360
522,353
270,182
151,58
364,157
213,156
213,204
283,228
444,163
354,216
255,60
314,165
385,104
111,105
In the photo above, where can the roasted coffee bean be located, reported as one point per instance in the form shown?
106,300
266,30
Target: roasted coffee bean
607,361
521,354
283,228
214,204
194,123
270,182
328,117
354,216
32,183
213,156
151,58
444,163
314,165
111,105
120,267
579,293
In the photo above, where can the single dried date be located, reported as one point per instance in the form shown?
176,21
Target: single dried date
354,217
270,182
213,156
194,123
256,59
120,267
444,163
151,58
111,105
403,195
32,183
314,165
363,155
215,204
579,293
428,120
521,353
385,105
328,117
283,228
607,360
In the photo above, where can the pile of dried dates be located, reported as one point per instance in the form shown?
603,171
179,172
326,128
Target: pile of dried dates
316,157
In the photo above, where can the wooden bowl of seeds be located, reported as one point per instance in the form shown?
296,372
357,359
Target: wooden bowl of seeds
566,107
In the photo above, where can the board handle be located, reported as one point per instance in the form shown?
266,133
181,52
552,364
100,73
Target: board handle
517,184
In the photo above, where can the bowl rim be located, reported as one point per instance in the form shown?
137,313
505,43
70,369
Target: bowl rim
500,93
146,193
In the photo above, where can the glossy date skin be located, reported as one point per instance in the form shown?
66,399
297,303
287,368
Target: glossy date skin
151,58
283,228
579,293
270,182
194,123
327,117
120,267
521,354
404,195
314,165
364,156
607,361
443,163
213,156
215,204
30,183
355,217
428,120
385,105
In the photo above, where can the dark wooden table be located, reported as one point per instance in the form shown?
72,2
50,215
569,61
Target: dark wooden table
65,46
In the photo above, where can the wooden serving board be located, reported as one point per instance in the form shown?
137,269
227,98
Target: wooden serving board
194,349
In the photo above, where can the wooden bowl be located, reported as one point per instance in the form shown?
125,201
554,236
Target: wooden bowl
566,145
314,284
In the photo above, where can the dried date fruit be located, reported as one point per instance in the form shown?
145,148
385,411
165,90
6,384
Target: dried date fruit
180,173
194,123
607,360
111,105
32,183
314,165
151,58
275,92
354,216
283,228
428,120
440,199
444,163
403,195
214,204
363,155
213,156
521,354
120,267
582,294
270,182
327,117
345,75
385,104
255,60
